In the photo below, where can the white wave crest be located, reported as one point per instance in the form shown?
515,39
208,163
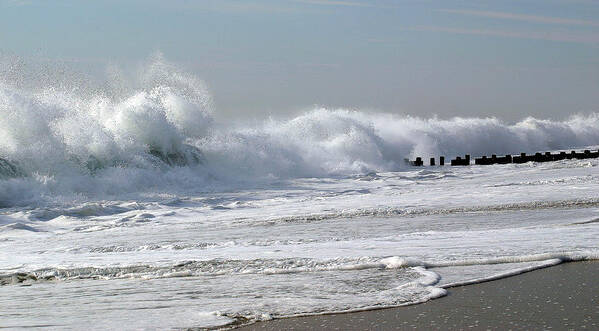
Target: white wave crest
66,138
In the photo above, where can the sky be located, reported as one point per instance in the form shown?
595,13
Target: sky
507,59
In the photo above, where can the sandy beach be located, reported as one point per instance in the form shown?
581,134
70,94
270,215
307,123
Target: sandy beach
563,297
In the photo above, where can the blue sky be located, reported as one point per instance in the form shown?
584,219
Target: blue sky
508,59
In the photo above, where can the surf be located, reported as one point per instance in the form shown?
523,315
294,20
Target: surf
157,131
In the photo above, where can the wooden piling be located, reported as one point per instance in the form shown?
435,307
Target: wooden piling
538,157
561,156
507,159
493,159
520,159
457,161
481,160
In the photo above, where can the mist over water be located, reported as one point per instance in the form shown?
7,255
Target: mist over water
63,136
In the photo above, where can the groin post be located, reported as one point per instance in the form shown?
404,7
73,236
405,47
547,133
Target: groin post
481,160
507,159
457,161
562,155
538,157
519,158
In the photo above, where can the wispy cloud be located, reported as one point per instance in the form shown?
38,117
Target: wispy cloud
336,3
521,17
584,38
249,6
15,3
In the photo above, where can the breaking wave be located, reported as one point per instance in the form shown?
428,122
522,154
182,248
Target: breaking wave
65,137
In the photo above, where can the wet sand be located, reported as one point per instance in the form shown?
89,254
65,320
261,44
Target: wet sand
563,297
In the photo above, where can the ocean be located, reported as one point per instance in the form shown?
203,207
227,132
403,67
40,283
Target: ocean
134,207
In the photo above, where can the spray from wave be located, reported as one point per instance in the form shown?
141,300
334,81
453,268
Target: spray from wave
63,137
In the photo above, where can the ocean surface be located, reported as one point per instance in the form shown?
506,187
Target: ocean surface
130,206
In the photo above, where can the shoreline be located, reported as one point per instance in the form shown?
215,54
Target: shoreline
564,296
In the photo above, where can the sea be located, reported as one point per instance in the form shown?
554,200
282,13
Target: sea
131,205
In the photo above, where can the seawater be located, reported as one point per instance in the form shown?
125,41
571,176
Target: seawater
130,206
